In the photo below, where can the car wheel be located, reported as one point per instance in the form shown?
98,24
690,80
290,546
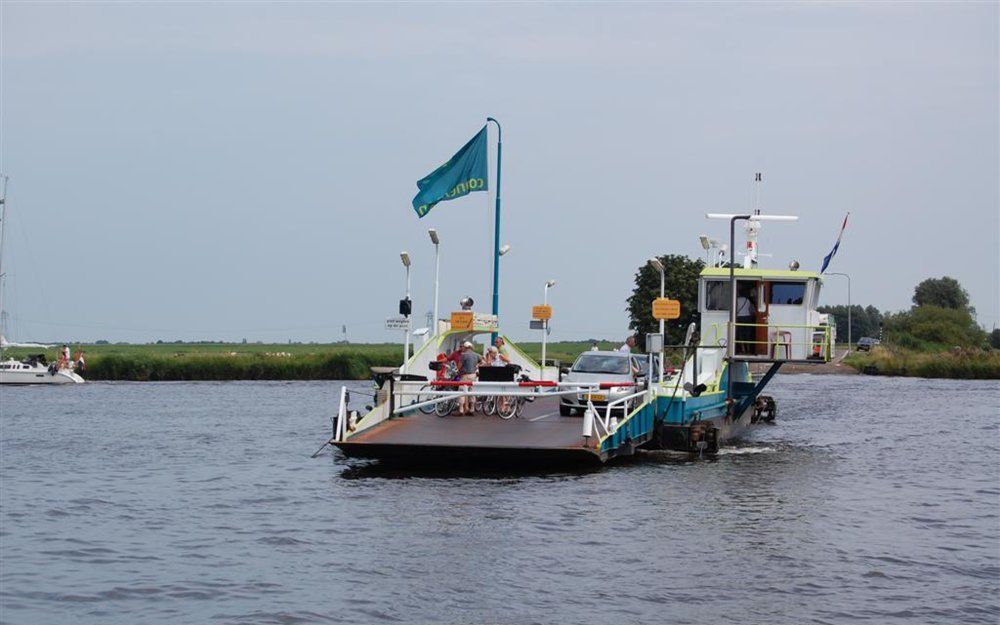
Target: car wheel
565,410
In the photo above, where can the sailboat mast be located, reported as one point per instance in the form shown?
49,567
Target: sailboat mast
3,276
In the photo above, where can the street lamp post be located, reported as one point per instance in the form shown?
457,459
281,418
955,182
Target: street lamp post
657,264
545,324
850,343
437,274
403,256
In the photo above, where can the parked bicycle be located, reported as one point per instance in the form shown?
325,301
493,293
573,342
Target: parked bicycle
514,404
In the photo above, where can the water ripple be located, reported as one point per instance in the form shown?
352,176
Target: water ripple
198,503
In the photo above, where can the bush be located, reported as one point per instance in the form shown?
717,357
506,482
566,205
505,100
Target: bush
933,328
965,364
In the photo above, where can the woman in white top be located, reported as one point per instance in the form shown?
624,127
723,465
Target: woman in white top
493,358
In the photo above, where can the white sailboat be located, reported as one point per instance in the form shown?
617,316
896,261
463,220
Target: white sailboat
34,369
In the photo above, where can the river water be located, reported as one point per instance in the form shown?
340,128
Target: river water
872,500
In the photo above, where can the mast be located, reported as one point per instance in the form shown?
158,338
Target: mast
753,227
3,276
496,234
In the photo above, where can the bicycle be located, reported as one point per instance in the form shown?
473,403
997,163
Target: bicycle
444,407
514,406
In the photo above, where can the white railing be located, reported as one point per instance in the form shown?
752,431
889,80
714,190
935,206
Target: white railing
498,389
516,389
817,343
608,423
605,423
340,428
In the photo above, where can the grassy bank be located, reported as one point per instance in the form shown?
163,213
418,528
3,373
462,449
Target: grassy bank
342,361
965,364
217,361
249,361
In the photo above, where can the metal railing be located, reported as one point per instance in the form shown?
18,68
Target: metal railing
340,426
608,423
780,339
532,389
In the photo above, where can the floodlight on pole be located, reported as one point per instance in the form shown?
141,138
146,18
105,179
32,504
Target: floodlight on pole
545,325
405,257
657,264
504,249
437,275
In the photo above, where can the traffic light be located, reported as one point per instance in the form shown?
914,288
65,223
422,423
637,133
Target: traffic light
405,306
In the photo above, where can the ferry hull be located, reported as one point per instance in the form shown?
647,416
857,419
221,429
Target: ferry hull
445,455
540,435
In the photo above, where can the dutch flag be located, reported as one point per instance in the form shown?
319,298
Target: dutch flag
836,246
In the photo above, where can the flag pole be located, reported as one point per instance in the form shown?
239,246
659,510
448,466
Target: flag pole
496,235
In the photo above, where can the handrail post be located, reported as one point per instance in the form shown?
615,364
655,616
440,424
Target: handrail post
342,416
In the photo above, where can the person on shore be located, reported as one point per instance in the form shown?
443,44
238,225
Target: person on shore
467,373
746,314
627,346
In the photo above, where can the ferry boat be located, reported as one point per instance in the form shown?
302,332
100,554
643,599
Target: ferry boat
710,399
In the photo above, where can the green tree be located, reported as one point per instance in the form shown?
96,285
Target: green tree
995,338
681,284
934,328
941,292
865,320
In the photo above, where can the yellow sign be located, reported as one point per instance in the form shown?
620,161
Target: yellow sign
462,320
541,312
664,308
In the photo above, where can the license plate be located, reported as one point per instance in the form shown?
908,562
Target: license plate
595,397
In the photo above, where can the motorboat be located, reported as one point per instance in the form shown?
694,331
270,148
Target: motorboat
36,370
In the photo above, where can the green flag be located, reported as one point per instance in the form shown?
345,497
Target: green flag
462,174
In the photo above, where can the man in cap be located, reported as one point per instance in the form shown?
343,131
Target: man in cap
467,371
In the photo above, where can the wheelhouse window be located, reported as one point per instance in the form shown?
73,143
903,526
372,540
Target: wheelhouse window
788,293
717,295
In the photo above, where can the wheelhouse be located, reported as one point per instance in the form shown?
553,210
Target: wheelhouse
777,316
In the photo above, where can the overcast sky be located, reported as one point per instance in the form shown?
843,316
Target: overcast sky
230,170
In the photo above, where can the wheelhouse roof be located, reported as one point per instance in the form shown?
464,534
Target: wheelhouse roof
783,274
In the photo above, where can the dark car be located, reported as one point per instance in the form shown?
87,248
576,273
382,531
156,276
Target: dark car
865,343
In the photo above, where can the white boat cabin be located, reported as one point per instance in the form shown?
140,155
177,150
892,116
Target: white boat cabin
776,313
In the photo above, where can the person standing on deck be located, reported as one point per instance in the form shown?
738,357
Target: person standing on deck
746,313
467,372
499,345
